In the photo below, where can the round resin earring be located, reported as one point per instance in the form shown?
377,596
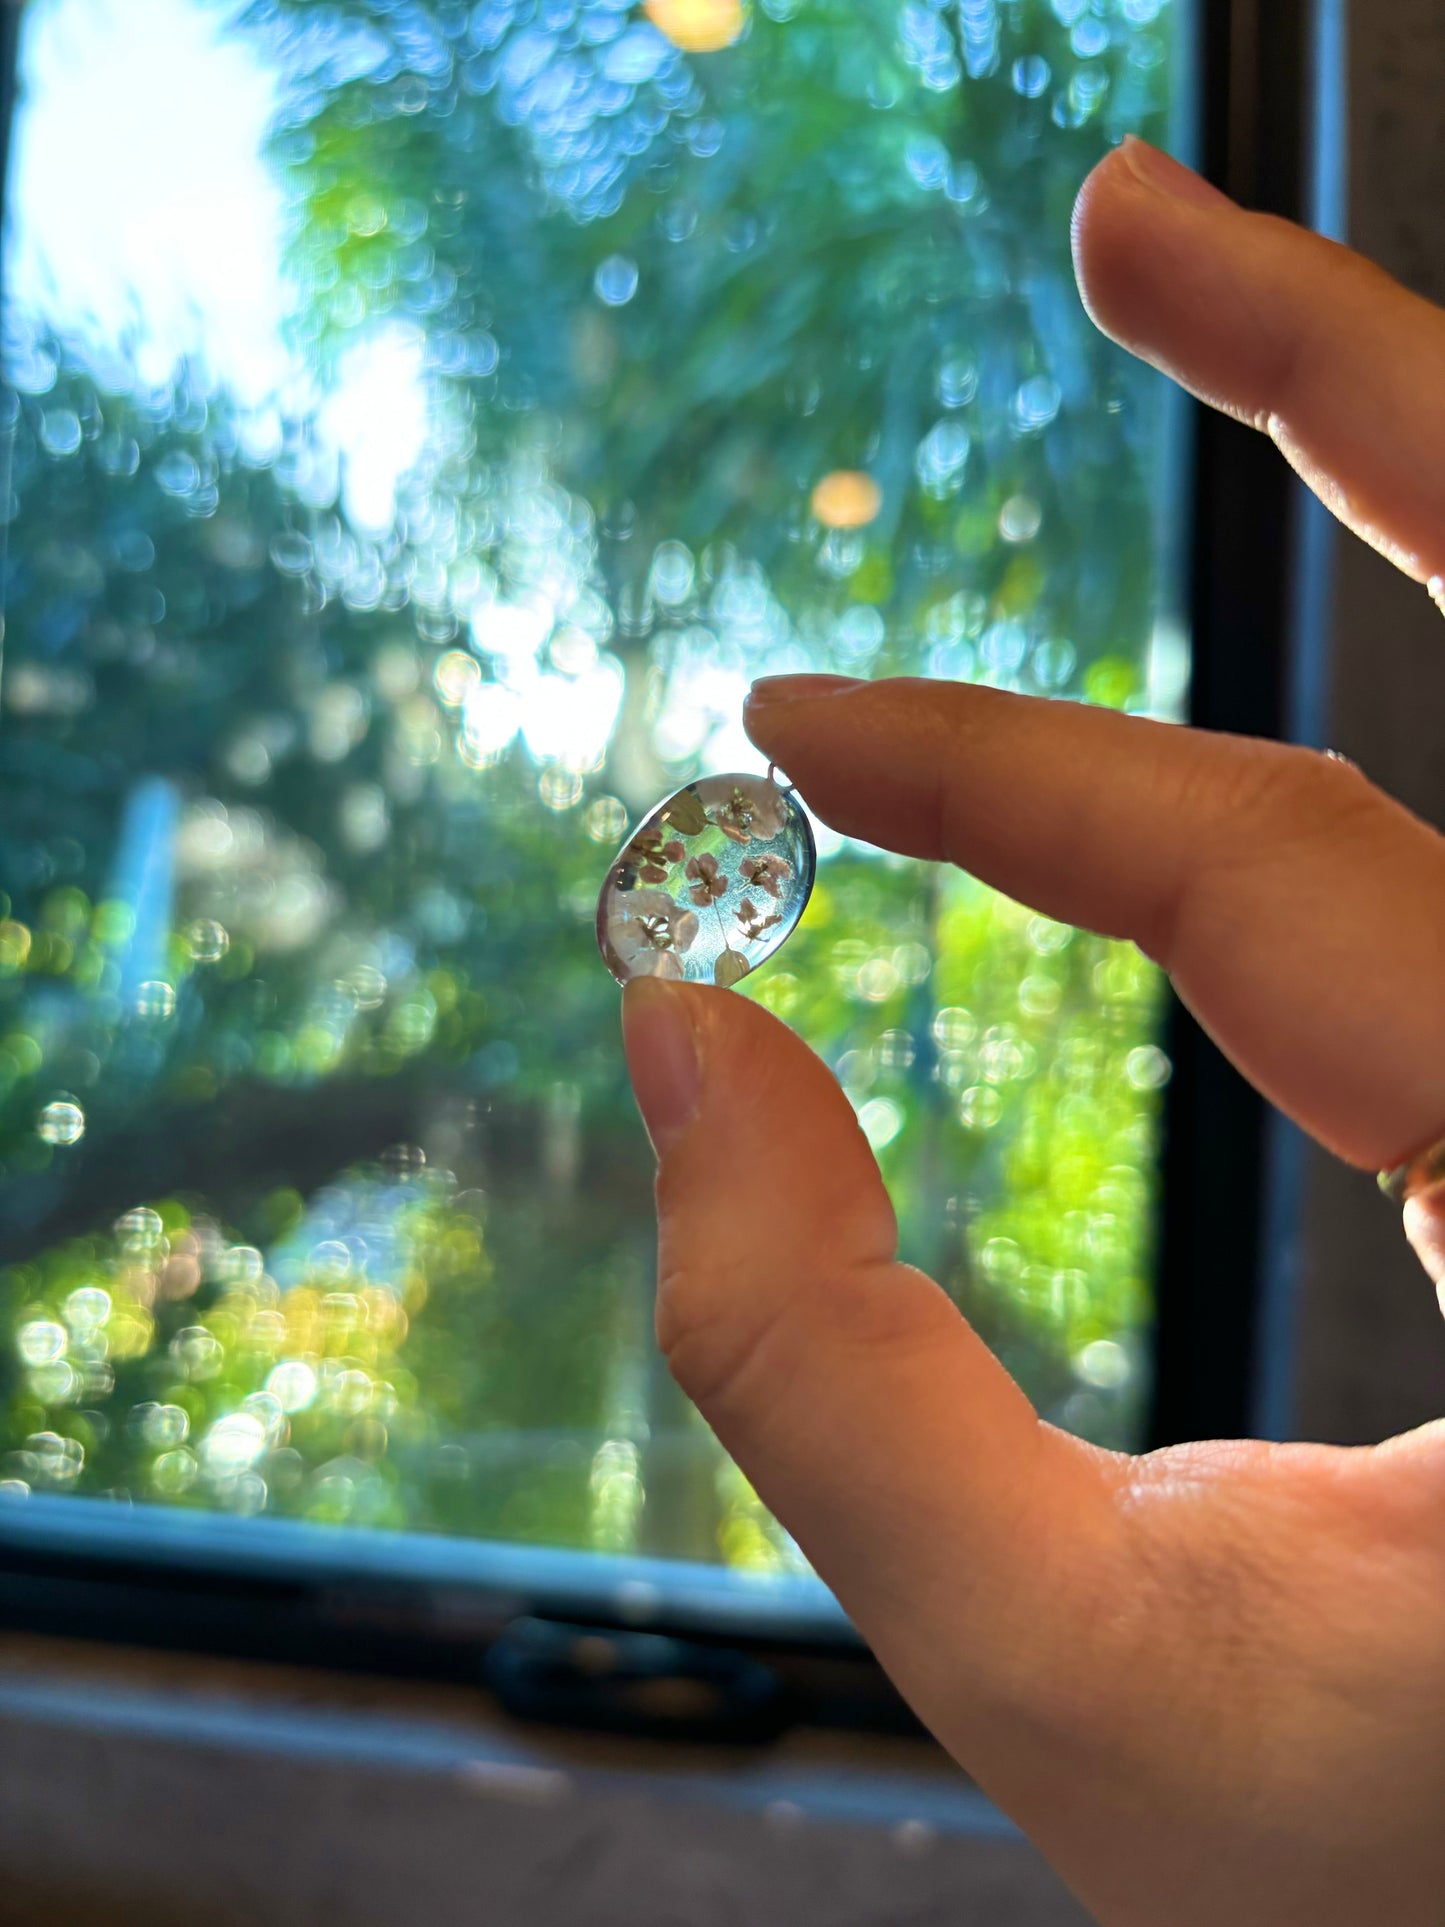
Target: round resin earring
710,885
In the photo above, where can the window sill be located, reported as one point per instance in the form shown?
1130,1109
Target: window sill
133,1784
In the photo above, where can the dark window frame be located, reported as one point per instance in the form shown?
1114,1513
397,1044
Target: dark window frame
1268,135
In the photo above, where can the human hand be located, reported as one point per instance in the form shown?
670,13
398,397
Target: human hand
1210,1682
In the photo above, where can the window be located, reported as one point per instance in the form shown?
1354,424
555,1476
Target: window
425,420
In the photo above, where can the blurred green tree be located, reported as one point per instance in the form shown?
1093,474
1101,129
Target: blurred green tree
755,358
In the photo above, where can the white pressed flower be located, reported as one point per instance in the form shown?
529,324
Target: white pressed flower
647,931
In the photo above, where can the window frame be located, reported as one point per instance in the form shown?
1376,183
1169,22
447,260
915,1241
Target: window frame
1268,91
427,1606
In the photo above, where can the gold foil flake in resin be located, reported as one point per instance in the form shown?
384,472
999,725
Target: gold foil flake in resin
710,885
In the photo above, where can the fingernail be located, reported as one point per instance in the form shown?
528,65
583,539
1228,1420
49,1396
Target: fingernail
1165,175
1425,1229
662,1059
770,692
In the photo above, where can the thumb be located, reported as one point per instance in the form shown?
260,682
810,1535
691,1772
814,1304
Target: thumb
948,1520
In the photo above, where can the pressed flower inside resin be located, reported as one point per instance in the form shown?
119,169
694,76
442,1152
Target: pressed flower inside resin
710,885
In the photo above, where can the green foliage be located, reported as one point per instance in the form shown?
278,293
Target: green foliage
832,252
282,891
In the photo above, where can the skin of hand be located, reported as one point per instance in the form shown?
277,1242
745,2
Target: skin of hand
1209,1683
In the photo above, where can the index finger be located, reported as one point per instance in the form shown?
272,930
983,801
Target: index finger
1298,910
1292,333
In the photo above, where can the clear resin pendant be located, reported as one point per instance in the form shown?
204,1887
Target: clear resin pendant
709,885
